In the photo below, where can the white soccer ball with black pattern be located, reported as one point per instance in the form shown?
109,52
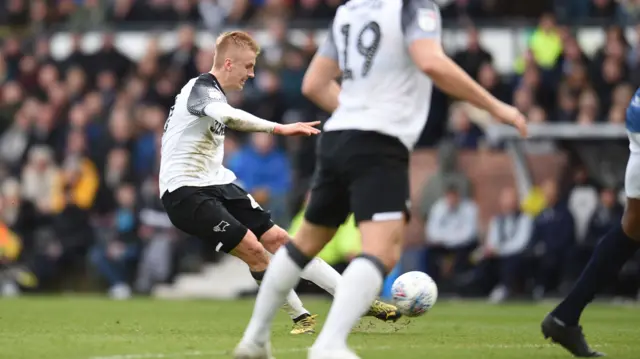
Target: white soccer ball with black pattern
414,293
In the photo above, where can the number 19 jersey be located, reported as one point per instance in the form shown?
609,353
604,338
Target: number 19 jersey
382,89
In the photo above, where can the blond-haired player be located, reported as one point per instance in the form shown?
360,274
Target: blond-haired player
198,192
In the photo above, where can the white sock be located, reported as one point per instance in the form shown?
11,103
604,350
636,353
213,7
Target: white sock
293,306
322,274
360,284
281,277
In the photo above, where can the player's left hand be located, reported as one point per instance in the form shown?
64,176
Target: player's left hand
298,129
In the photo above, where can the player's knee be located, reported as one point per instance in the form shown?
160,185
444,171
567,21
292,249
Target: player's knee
274,238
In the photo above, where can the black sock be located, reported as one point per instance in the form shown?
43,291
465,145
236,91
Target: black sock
610,255
258,276
297,319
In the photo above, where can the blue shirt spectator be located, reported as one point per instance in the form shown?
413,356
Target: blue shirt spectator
265,172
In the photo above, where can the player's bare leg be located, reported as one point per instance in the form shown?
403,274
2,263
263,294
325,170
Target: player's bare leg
252,252
283,275
615,248
361,283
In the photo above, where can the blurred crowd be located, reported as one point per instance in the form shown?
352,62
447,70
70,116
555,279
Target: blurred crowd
79,137
531,248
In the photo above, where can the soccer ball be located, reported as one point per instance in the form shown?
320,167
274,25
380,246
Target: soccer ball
414,293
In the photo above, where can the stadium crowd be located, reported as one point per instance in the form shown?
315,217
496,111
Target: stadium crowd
79,139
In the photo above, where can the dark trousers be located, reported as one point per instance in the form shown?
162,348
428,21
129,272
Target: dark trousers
505,271
114,270
460,256
550,270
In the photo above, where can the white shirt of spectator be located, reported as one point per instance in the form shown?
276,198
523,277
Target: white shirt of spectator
382,89
517,229
193,143
450,227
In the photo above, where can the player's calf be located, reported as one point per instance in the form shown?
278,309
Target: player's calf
250,251
383,240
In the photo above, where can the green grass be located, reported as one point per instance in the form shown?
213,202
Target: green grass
85,328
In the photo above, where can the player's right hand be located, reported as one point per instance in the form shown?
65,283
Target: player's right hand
297,129
512,116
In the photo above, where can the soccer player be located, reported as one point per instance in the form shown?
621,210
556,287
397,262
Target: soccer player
198,193
611,253
388,53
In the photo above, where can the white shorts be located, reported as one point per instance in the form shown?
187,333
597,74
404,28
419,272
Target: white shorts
632,174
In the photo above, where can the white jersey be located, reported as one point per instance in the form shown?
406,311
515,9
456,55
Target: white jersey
193,143
382,89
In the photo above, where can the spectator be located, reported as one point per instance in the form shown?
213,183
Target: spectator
159,240
552,240
567,106
15,141
545,42
265,172
474,55
602,9
273,53
490,80
77,185
607,214
90,14
582,202
503,252
117,172
39,178
114,256
452,229
183,58
465,134
18,214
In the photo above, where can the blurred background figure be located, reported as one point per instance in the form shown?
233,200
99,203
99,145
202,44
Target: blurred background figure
501,257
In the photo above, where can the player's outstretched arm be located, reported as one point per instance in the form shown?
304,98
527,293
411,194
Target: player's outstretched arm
429,56
243,121
422,27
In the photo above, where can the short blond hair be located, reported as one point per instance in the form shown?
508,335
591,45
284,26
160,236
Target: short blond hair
230,39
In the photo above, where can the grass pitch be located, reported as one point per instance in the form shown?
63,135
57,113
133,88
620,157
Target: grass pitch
92,328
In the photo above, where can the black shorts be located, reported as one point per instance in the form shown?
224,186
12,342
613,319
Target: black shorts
363,172
221,213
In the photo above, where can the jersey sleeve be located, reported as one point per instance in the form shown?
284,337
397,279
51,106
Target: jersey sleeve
203,93
328,48
420,20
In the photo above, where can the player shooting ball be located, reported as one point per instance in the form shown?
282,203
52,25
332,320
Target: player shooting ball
198,192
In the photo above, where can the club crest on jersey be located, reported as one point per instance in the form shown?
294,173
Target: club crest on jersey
427,19
217,128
